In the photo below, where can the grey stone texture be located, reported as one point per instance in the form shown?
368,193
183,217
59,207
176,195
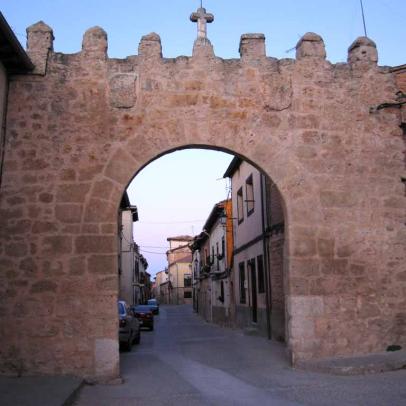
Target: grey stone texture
82,125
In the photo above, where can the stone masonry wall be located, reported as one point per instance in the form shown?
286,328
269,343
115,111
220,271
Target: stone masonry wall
276,246
82,125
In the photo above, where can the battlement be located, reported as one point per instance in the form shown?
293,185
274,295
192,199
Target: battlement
362,53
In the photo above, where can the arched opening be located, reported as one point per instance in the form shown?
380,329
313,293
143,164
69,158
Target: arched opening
226,260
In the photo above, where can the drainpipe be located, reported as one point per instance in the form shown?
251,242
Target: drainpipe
266,264
3,128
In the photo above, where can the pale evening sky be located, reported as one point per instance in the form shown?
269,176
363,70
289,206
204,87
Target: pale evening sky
179,190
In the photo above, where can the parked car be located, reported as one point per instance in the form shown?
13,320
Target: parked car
153,303
144,315
129,326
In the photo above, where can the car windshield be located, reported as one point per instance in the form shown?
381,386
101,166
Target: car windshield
121,309
142,308
152,302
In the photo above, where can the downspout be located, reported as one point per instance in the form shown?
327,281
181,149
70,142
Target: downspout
266,264
3,128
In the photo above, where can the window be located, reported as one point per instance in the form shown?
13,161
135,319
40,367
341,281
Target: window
221,297
261,276
249,194
187,281
241,266
187,294
253,270
240,206
217,257
223,247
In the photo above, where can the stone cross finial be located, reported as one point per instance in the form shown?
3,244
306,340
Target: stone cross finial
202,18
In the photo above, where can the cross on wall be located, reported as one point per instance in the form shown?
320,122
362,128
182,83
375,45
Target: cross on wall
202,18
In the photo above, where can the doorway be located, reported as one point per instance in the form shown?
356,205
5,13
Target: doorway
252,270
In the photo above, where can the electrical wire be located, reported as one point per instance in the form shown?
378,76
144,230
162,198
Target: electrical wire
151,252
153,246
171,222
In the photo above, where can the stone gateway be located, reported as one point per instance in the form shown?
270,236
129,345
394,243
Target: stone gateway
81,126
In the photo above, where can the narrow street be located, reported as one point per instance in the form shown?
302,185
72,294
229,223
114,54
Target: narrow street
186,361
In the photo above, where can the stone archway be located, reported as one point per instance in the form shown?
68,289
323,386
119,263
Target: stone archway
80,126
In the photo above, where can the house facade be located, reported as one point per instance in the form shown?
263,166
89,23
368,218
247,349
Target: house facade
212,256
132,265
160,278
201,282
258,238
178,288
141,279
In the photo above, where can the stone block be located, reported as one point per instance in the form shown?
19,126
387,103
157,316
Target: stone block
16,249
362,53
46,197
103,189
72,193
150,47
121,167
40,40
29,266
303,246
98,211
44,286
68,213
56,245
102,264
337,267
53,268
106,355
252,46
94,45
109,228
123,88
16,227
68,175
94,244
89,173
77,265
304,267
311,45
44,227
302,327
325,247
107,284
340,199
305,306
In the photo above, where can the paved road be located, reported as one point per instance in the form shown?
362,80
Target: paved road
187,361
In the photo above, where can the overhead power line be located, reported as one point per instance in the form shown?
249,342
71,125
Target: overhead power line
171,222
151,252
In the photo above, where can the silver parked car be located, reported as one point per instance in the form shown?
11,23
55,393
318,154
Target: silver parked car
129,326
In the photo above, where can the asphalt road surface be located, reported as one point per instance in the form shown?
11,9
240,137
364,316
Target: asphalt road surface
186,361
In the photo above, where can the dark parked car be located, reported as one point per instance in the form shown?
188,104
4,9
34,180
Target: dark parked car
129,326
154,305
144,315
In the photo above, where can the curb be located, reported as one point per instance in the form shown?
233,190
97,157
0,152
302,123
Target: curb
362,365
74,396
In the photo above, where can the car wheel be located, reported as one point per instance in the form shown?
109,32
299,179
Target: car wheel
151,328
137,339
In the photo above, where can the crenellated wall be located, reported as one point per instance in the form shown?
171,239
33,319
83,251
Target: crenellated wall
82,125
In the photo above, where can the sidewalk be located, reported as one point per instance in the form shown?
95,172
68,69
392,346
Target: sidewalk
39,390
367,364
